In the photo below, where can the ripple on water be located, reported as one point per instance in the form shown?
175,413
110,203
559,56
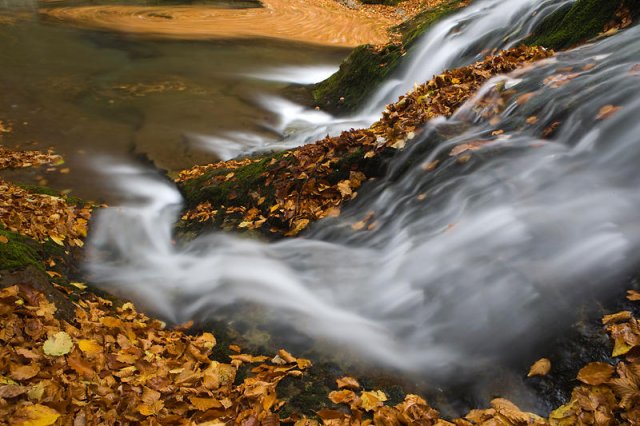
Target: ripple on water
316,21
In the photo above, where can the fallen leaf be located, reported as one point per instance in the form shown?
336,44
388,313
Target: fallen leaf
57,345
540,368
372,399
37,415
607,111
348,383
595,373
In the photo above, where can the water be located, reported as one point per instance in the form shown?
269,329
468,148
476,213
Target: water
469,266
88,93
462,38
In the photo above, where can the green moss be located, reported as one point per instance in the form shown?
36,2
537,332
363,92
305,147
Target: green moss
237,191
37,189
576,23
19,252
245,180
416,26
366,67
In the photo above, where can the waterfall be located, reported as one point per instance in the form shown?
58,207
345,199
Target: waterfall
466,259
457,40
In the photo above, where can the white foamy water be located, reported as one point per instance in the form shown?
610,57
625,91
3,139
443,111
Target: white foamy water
467,262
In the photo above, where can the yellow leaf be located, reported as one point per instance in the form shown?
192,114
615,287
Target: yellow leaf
81,286
373,399
38,415
617,317
540,368
204,404
59,344
620,347
3,239
89,347
58,239
633,295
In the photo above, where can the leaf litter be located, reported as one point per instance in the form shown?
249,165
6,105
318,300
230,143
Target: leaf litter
40,216
294,188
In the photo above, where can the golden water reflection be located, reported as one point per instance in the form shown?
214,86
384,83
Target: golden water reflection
323,22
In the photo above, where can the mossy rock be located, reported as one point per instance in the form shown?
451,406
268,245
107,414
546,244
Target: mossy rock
19,252
578,22
368,66
236,191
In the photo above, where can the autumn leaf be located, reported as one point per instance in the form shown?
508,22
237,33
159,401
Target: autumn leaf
347,382
633,295
540,368
36,415
617,317
607,111
204,404
59,344
89,347
595,373
3,239
24,372
373,399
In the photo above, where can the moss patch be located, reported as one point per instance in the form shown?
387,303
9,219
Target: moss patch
19,252
581,21
367,66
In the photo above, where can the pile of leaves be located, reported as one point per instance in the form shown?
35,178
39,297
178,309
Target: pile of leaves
39,216
115,365
281,194
42,216
21,159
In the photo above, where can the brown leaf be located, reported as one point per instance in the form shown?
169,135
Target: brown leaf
595,373
540,368
24,372
607,111
204,404
617,317
347,382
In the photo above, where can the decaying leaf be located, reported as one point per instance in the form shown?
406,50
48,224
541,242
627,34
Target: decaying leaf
59,344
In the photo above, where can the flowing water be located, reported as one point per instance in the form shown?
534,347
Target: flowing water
90,93
469,265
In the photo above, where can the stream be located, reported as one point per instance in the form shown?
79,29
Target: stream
470,266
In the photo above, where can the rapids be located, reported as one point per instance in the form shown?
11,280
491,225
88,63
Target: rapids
478,261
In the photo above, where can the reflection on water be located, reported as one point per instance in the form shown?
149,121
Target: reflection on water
88,93
310,21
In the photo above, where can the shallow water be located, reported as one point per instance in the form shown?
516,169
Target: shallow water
89,93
